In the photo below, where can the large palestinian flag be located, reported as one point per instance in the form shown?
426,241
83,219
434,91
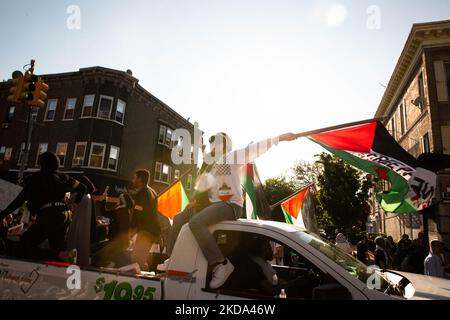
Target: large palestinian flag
371,148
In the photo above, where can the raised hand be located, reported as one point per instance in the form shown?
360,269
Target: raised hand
287,137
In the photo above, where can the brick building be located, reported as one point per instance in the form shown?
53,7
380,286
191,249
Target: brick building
416,105
100,122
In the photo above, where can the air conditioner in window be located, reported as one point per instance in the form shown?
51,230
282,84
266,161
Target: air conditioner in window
5,125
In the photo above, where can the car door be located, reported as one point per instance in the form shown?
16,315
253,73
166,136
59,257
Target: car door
230,243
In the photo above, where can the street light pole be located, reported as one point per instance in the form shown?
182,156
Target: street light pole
24,162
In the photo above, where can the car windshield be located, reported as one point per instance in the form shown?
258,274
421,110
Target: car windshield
352,265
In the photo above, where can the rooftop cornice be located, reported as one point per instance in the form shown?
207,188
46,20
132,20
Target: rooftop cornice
422,35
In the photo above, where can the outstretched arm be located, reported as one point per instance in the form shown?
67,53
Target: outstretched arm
254,150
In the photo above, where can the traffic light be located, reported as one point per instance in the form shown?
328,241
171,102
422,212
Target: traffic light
39,94
17,89
29,85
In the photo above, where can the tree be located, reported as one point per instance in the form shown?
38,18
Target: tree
341,191
306,173
278,188
343,194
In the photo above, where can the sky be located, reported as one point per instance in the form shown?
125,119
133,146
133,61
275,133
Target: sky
254,69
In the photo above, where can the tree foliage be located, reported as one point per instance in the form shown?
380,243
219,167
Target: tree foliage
342,195
306,173
276,189
341,191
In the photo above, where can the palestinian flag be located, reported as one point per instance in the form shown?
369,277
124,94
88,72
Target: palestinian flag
292,208
371,148
256,205
173,200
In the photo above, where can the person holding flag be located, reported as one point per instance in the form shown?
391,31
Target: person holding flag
223,184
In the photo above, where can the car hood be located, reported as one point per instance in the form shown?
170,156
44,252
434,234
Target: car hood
426,287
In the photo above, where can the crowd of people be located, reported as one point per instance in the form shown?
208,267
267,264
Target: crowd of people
62,220
407,255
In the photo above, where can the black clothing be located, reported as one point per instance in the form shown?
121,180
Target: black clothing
44,193
44,188
246,277
145,216
371,246
361,251
404,244
380,257
52,224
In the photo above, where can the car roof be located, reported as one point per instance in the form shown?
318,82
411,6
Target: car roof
266,224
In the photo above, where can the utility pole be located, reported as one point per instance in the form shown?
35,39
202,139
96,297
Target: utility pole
24,162
30,91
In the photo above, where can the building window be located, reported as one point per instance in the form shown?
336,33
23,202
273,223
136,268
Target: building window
51,110
104,107
165,175
158,168
113,158
70,108
447,74
43,147
179,144
176,175
421,92
97,155
120,112
88,105
8,153
162,134
165,136
79,154
162,172
402,119
10,114
61,152
168,141
189,182
426,143
393,128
